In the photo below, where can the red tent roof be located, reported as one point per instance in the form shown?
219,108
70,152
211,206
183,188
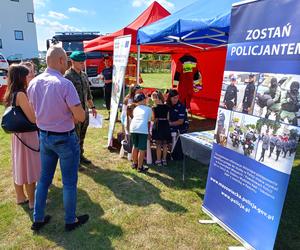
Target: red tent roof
153,13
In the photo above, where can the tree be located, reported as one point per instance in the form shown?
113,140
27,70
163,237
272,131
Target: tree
236,120
269,123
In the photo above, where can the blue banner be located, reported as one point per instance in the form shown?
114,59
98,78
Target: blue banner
257,130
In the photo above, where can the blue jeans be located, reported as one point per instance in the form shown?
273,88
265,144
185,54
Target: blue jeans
66,149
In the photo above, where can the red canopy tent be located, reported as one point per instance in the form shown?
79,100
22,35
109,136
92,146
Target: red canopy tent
105,43
204,103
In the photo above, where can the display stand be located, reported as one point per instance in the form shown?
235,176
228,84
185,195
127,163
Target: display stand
174,139
237,248
216,220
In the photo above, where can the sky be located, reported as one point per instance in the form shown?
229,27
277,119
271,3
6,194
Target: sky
104,16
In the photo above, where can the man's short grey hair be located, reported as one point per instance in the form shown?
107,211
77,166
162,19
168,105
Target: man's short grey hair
54,52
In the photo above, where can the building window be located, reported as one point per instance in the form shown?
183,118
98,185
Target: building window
0,43
19,35
14,0
30,17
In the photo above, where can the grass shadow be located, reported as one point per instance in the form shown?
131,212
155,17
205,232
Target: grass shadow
96,233
99,102
288,236
131,189
171,176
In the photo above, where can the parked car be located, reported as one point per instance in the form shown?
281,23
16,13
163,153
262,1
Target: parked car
3,62
3,75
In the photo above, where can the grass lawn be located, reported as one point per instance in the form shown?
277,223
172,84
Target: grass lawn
157,80
128,210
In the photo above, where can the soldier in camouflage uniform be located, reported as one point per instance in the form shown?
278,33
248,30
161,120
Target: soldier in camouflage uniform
290,104
273,105
81,82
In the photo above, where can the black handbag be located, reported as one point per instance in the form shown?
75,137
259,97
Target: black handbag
15,121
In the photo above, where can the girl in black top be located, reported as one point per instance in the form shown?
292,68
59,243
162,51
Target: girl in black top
161,130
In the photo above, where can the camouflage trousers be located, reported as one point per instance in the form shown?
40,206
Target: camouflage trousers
81,129
290,116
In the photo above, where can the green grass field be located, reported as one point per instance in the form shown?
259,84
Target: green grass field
157,80
129,210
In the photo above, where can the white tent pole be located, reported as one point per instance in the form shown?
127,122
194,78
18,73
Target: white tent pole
189,34
219,46
219,40
138,64
191,45
205,37
218,31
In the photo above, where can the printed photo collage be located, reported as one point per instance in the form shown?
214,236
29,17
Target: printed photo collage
259,117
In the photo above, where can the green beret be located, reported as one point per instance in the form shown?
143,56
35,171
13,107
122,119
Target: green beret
78,56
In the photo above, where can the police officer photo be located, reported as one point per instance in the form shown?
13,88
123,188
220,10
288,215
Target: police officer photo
273,141
265,145
230,98
279,147
107,75
249,95
220,127
80,80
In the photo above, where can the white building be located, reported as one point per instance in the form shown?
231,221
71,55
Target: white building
18,38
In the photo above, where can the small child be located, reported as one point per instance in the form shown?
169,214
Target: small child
129,115
161,130
133,89
139,131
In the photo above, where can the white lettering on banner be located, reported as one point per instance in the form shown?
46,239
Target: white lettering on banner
245,176
272,32
266,50
248,179
241,201
280,49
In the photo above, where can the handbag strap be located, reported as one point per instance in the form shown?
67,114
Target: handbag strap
35,150
14,99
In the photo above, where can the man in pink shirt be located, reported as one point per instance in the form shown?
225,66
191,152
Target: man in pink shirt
57,107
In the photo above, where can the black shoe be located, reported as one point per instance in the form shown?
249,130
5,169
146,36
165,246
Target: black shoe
36,226
142,169
84,160
82,219
106,119
134,166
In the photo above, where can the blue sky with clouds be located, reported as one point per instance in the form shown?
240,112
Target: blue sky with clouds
105,16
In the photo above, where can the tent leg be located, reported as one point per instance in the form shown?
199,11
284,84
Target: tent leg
138,64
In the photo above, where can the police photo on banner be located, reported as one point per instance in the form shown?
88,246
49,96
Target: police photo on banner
121,52
257,130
